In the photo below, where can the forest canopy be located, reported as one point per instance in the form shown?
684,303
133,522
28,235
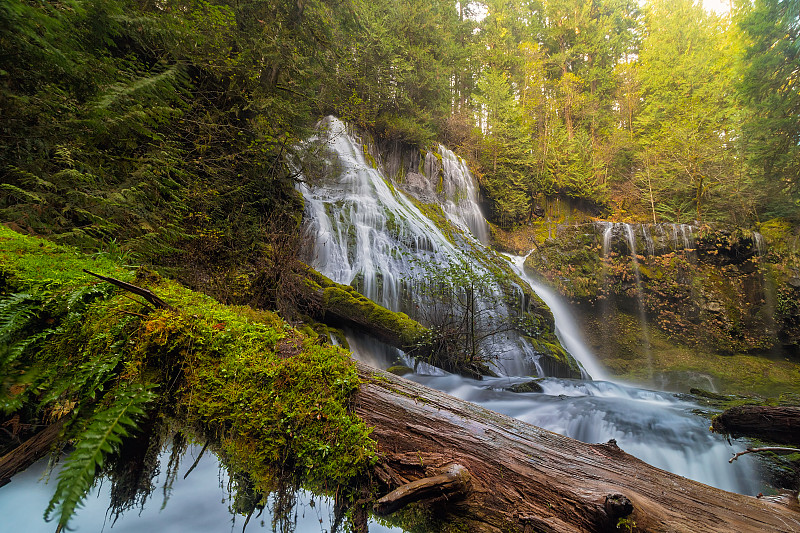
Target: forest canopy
165,125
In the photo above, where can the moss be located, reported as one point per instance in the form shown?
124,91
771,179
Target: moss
528,386
400,370
347,301
277,403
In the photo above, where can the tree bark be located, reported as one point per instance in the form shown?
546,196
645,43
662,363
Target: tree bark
29,451
523,478
776,424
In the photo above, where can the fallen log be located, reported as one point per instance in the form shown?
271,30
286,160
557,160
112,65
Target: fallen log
29,451
337,304
523,478
776,424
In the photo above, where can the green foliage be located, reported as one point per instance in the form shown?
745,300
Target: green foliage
768,88
276,403
103,435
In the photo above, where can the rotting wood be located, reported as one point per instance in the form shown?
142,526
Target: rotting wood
452,483
525,478
776,424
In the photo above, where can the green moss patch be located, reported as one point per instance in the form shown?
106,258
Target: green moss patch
276,401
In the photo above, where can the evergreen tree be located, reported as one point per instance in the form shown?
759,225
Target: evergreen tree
770,92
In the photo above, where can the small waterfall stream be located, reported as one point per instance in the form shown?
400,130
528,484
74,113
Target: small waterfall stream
637,276
567,329
657,427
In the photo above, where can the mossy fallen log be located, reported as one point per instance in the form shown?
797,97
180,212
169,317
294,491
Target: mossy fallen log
342,305
523,478
332,302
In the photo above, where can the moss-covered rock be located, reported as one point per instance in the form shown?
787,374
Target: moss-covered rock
528,386
400,370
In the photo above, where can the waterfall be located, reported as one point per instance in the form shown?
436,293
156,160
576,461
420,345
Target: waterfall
758,243
364,231
567,330
368,234
460,196
357,212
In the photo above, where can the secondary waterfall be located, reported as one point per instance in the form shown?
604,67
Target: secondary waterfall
567,329
364,228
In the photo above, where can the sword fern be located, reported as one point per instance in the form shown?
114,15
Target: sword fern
103,435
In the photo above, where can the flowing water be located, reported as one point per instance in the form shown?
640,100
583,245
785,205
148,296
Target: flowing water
657,427
367,233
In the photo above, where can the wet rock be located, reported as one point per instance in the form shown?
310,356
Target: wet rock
528,386
707,394
420,187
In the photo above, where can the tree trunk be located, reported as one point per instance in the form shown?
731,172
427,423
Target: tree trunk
776,424
522,478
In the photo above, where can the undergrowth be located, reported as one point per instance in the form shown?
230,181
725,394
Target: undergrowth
274,400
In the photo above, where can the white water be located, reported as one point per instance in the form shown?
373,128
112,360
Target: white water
461,196
567,329
368,234
656,427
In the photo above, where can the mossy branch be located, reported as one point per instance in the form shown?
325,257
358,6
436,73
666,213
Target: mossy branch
147,294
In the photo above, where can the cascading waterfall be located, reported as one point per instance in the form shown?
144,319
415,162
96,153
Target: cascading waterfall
368,234
657,427
461,196
567,329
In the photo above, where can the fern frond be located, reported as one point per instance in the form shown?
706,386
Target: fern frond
164,86
73,178
30,179
14,351
102,436
17,312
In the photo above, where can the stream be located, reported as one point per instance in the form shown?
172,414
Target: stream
368,234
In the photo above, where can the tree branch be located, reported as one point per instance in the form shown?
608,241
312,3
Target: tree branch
764,449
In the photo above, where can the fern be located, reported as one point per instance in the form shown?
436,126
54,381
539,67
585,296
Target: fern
102,436
18,312
168,85
21,194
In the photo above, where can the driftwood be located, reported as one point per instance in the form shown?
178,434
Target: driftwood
29,451
776,424
523,478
